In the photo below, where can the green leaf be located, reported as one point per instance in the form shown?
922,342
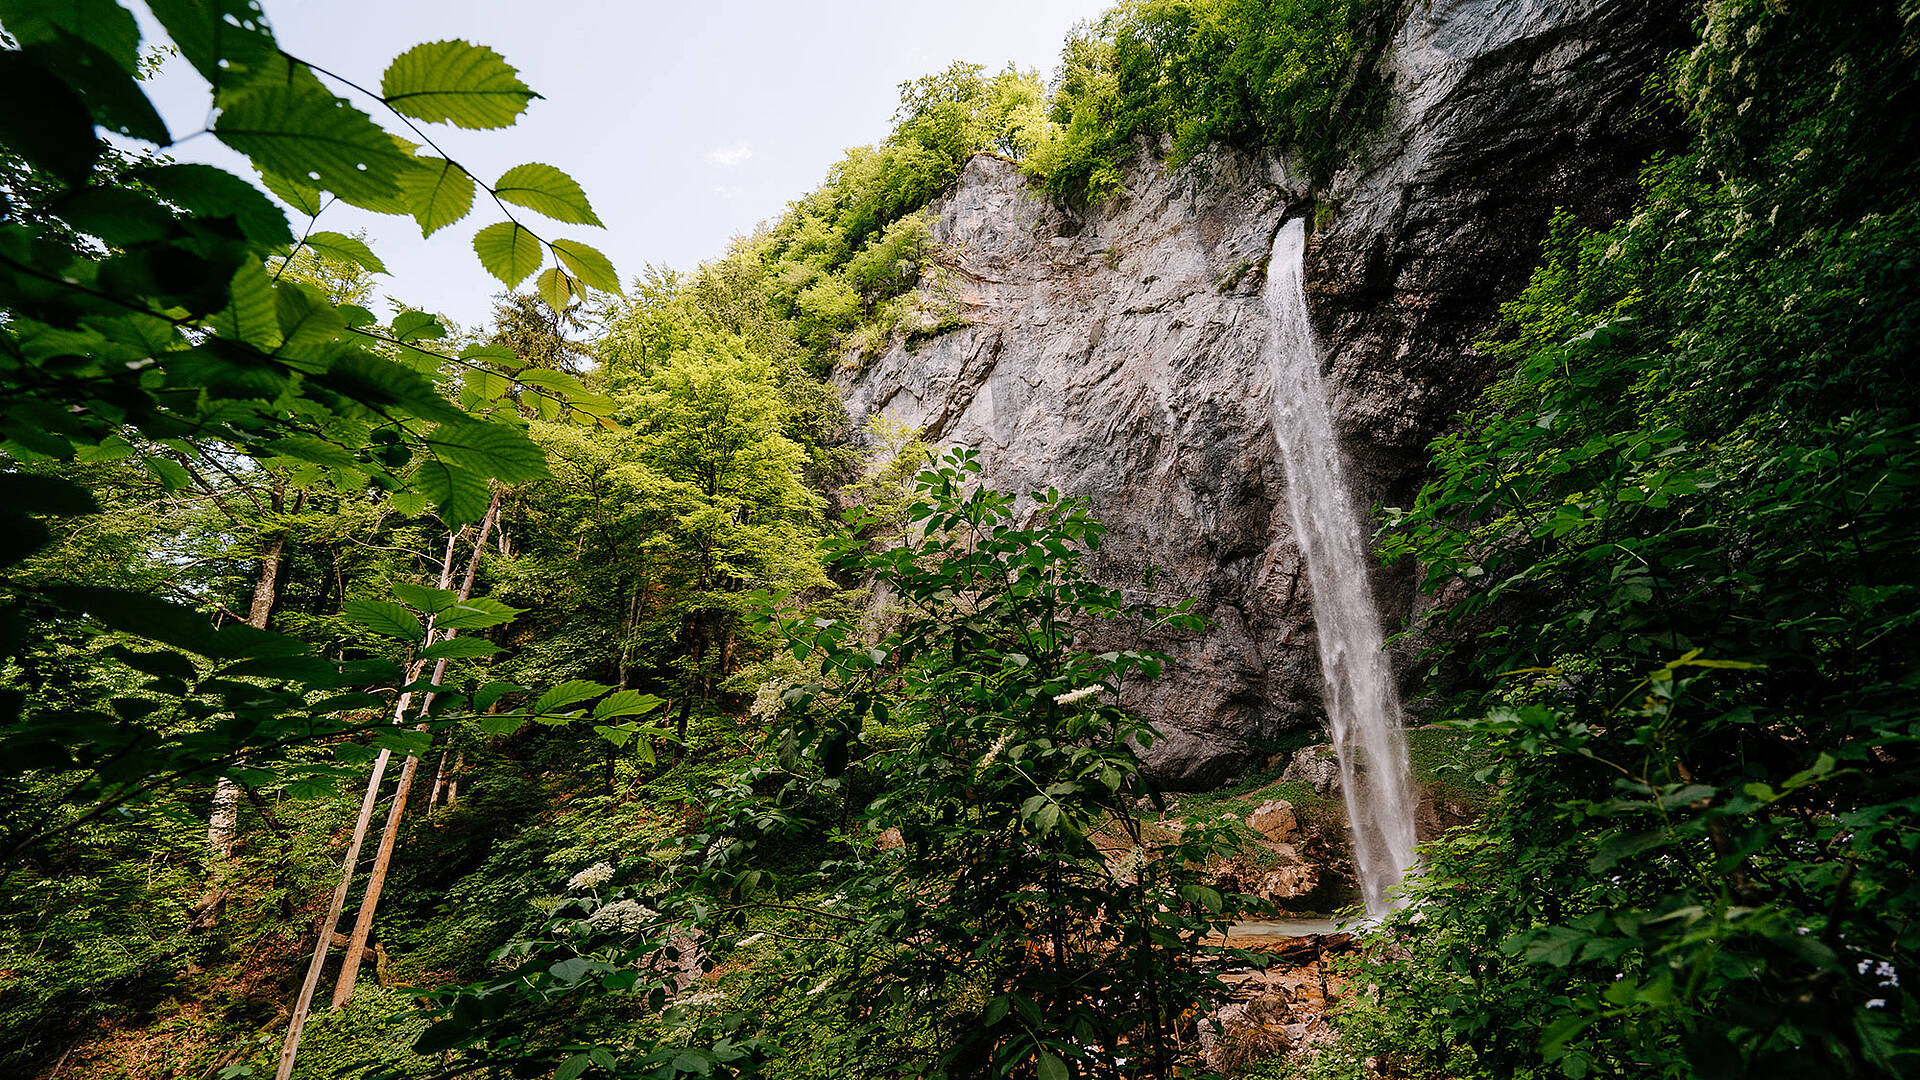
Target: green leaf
1556,945
588,265
169,473
492,449
484,697
625,703
571,1068
46,122
252,314
384,617
205,191
693,1061
20,537
508,251
227,41
107,25
445,1035
438,193
571,692
546,190
422,598
1051,1067
570,970
36,494
490,353
1821,766
469,86
140,615
347,249
476,613
305,316
556,288
1625,845
301,131
617,736
411,326
107,87
302,197
228,369
501,725
459,648
461,494
376,381
120,216
558,382
1554,1039
410,502
488,385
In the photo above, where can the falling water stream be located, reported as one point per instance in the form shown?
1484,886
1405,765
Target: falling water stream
1361,702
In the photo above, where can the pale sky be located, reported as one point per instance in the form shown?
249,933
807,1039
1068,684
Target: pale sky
686,123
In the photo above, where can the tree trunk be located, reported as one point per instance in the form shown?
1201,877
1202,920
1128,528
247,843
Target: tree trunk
439,780
390,835
453,782
627,625
329,927
697,627
223,824
298,1022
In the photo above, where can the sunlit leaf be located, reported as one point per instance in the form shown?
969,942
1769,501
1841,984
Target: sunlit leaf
508,251
469,86
546,190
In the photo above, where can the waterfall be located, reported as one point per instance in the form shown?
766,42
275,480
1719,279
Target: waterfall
1362,704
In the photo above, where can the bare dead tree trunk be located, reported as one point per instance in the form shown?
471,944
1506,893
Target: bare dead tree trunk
627,624
390,834
329,926
439,780
304,1004
223,824
698,630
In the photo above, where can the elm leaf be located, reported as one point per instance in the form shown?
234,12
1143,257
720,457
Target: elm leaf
548,191
455,82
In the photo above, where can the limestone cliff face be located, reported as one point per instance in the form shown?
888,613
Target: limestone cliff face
1115,353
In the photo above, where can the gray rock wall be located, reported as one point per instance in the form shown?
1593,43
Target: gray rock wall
1115,353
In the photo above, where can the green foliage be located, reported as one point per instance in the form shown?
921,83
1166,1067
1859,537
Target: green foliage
469,86
193,391
1684,523
840,269
1298,75
1023,919
603,967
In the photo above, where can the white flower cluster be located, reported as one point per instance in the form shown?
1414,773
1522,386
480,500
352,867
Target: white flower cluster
1073,697
592,877
622,917
993,751
1124,868
1885,972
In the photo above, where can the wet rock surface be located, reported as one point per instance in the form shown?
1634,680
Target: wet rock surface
1115,353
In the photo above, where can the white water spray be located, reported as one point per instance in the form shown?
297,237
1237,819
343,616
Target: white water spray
1361,702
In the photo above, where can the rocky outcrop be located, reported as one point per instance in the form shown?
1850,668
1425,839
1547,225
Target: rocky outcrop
1115,353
